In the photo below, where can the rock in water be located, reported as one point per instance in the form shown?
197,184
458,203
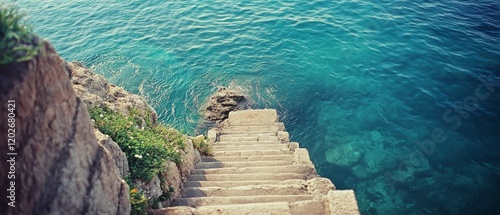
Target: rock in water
60,168
224,101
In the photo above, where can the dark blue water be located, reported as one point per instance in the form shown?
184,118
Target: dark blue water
398,100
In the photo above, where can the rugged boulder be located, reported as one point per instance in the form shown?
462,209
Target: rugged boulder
95,90
60,168
119,156
224,101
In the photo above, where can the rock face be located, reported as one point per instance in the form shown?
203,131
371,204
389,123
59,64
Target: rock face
95,90
224,101
60,167
119,156
176,175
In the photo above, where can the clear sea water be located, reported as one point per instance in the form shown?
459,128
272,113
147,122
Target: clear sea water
398,100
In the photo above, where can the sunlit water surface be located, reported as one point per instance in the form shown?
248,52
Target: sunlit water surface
397,100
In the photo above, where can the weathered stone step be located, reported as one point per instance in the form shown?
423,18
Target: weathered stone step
246,143
253,117
310,207
284,157
250,190
253,152
263,134
230,147
209,165
242,183
250,130
301,169
267,208
225,138
202,201
247,177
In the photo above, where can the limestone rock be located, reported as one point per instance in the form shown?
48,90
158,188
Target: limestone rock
60,167
152,190
173,179
320,186
95,90
189,159
224,101
342,202
118,155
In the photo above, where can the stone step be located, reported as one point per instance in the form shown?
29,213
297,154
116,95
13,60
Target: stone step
247,177
225,138
230,147
267,208
250,190
209,165
202,201
242,183
246,143
310,207
249,130
252,117
301,169
253,152
284,157
263,134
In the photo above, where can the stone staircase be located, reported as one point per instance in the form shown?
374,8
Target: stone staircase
257,170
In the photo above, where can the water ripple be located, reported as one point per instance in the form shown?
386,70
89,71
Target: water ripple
370,76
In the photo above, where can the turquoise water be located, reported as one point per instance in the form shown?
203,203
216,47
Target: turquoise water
398,100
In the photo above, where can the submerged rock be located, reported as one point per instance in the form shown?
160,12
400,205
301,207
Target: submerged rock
224,101
342,155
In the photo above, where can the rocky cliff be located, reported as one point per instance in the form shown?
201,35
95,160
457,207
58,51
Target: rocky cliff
60,167
96,91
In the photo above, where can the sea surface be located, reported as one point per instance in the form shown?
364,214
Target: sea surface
398,100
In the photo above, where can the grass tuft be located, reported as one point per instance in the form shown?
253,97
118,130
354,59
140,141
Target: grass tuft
201,143
17,41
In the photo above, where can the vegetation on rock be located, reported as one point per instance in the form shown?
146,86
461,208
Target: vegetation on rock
148,147
202,145
138,201
17,41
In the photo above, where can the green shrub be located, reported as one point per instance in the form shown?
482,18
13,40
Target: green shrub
201,144
138,202
17,42
147,148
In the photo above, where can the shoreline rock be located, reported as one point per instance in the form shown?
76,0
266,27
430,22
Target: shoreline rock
223,101
95,90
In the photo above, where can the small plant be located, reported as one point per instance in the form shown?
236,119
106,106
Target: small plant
165,196
17,42
201,144
147,148
138,202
